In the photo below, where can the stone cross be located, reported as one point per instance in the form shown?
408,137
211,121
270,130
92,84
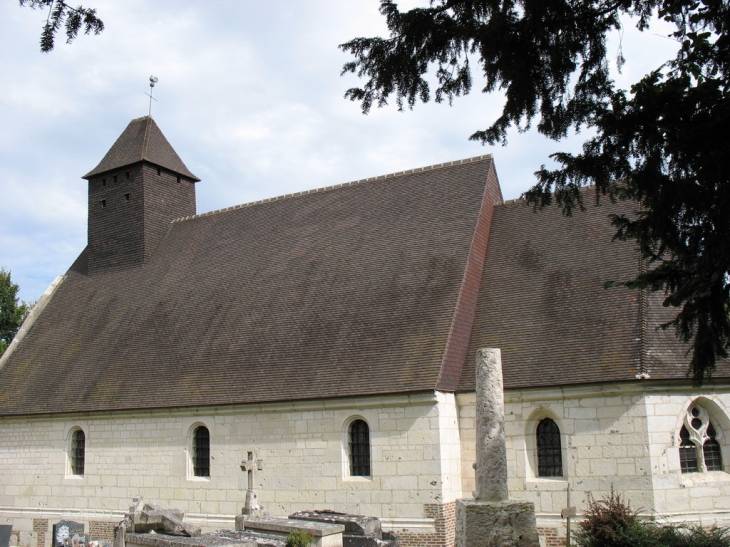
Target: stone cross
251,465
491,467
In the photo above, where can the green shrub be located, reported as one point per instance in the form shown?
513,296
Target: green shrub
298,539
611,522
691,535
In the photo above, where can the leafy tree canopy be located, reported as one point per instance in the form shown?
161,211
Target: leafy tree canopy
12,313
61,14
664,143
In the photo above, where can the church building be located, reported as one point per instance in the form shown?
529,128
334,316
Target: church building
332,334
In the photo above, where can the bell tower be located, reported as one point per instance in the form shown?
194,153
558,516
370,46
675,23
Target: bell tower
139,187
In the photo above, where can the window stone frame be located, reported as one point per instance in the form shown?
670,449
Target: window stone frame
190,449
530,447
348,462
72,453
697,425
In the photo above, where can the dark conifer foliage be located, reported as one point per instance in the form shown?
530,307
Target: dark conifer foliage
61,14
664,143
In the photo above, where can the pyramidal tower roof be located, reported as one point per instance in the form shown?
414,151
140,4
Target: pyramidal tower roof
142,140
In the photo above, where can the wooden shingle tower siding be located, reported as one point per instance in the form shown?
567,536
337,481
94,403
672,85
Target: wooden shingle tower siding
135,192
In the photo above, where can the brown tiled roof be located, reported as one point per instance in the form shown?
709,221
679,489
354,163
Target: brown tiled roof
543,302
347,291
142,140
382,286
665,356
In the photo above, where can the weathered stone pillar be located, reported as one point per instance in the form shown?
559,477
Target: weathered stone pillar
491,470
491,520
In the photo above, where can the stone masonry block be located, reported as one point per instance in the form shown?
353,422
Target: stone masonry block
495,524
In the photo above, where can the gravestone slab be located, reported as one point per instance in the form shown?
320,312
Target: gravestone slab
5,531
68,532
354,524
223,538
145,517
360,530
324,534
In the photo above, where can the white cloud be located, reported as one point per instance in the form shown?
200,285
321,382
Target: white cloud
249,94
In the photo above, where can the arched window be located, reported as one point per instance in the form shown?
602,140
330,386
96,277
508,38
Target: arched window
699,450
687,453
78,452
711,450
201,452
359,440
549,450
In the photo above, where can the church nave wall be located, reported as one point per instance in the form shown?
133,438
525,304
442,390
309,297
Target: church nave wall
701,494
303,448
621,436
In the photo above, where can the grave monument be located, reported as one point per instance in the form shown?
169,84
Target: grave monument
5,531
251,508
491,519
64,532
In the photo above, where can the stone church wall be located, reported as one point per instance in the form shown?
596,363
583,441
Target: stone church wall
415,463
703,497
422,450
618,436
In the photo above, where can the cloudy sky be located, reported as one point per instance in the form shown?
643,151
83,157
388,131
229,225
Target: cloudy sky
249,94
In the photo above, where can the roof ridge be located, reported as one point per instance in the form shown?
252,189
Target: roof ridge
337,186
511,201
146,140
521,199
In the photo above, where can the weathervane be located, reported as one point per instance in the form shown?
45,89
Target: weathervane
153,81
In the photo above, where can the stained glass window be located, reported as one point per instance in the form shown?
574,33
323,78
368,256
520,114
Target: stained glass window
549,450
712,451
78,452
687,453
201,452
359,449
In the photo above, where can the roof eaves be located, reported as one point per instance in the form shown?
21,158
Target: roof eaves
30,320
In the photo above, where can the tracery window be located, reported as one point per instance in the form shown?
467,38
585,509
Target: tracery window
711,450
699,450
549,449
687,453
201,452
359,445
78,452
